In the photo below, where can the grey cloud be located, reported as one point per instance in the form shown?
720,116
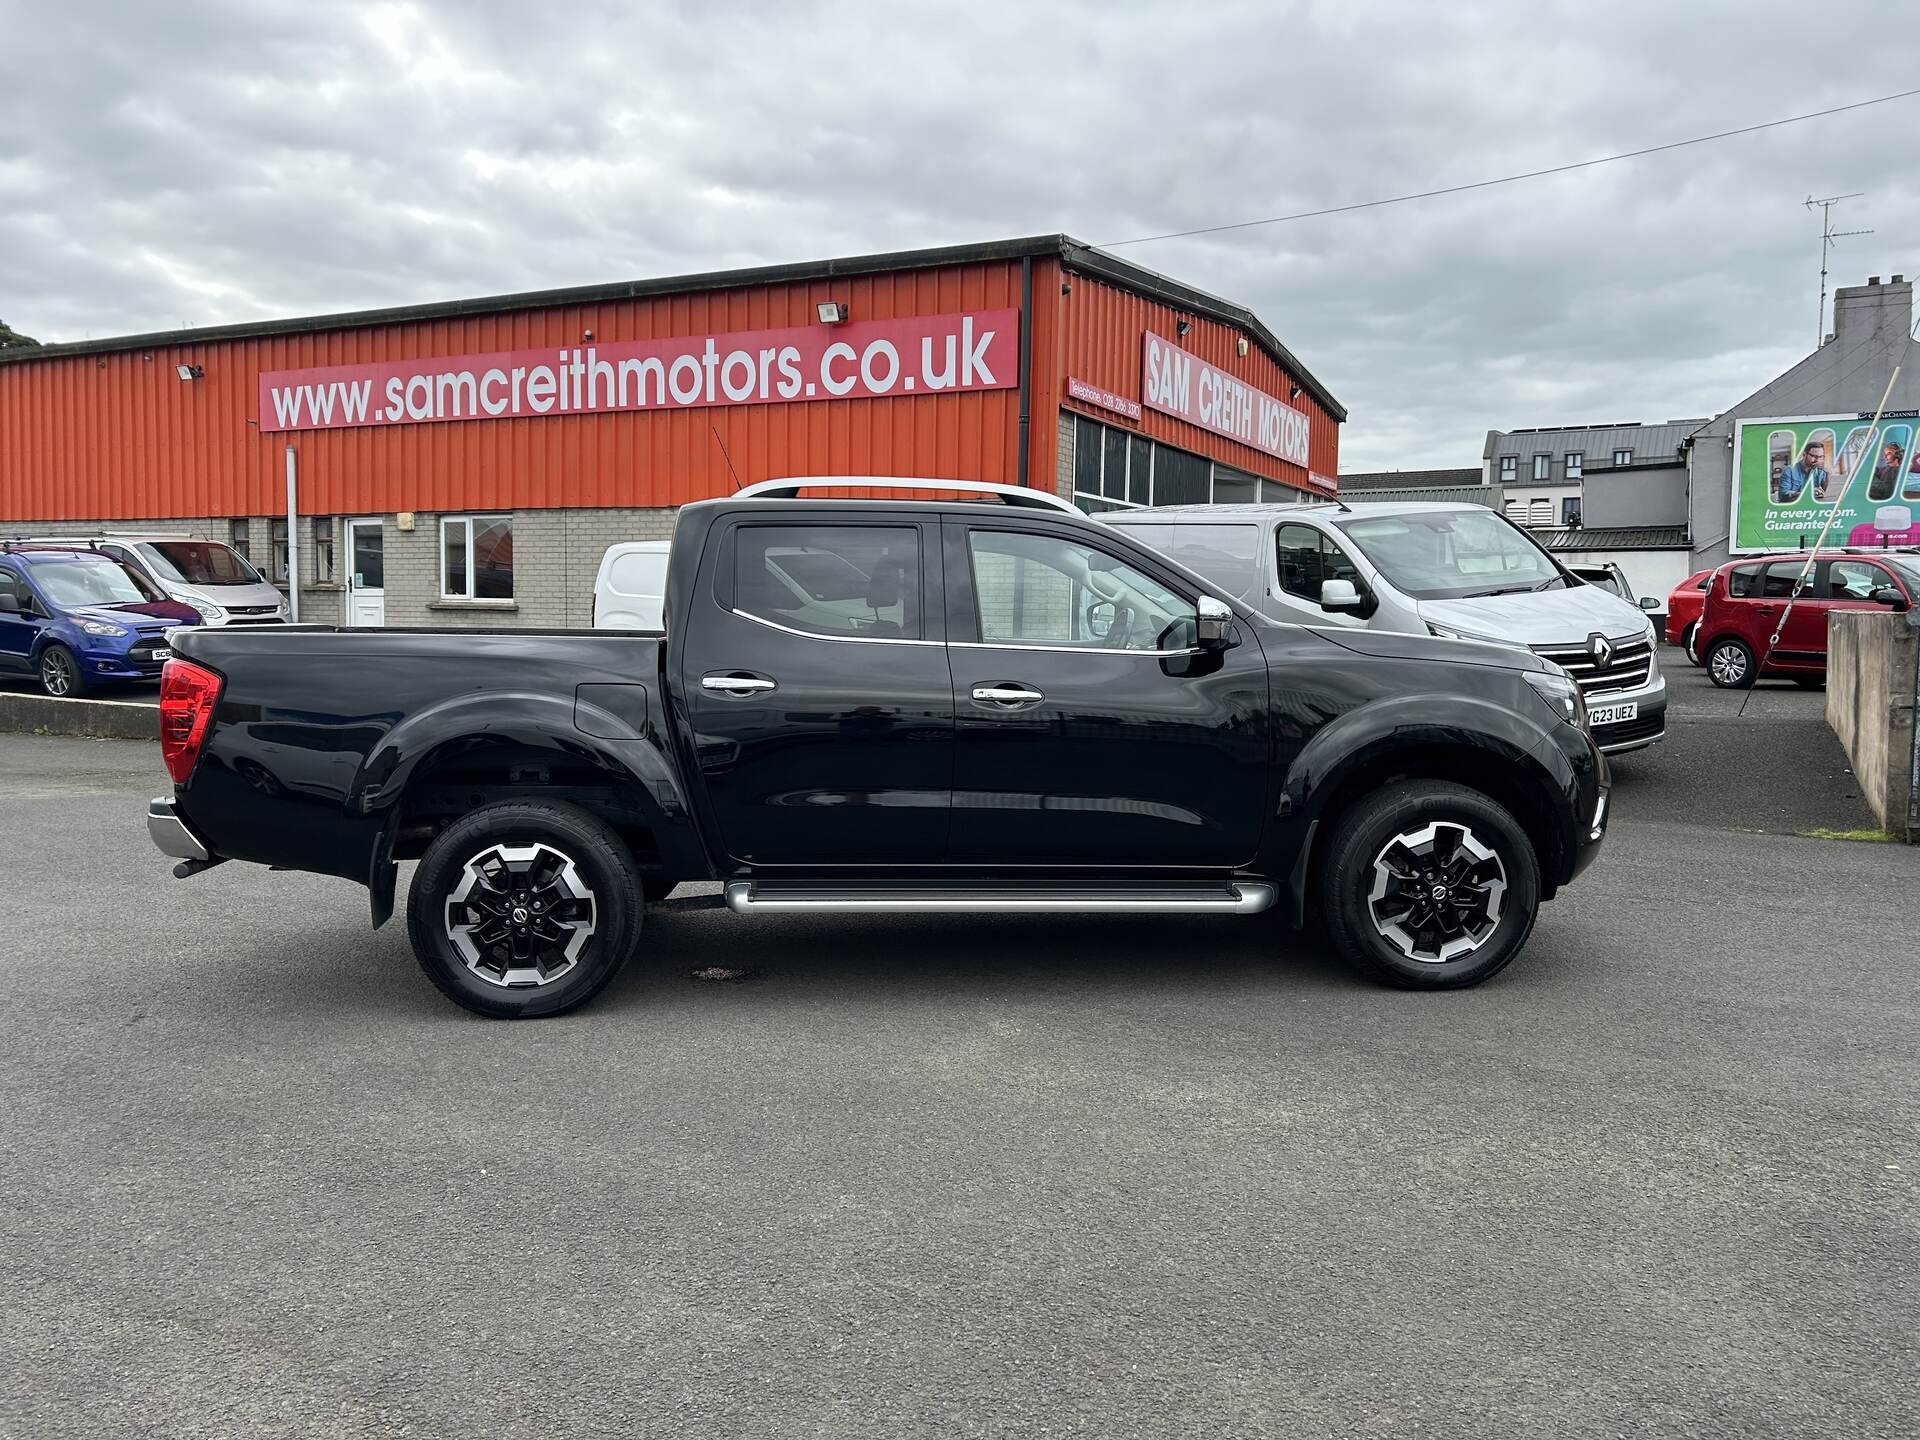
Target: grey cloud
238,160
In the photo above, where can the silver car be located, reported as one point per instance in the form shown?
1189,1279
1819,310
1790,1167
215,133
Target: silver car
1461,572
210,576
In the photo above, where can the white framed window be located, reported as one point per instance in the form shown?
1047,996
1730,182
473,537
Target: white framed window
323,550
1576,463
476,557
277,548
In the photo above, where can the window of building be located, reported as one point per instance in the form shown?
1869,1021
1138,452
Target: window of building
1044,590
846,580
1623,457
239,536
277,533
1543,467
1179,478
1570,511
323,571
1575,462
476,557
1509,467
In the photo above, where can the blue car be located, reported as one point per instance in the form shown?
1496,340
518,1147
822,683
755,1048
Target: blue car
80,621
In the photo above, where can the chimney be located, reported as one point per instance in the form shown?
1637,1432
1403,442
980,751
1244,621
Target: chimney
1863,312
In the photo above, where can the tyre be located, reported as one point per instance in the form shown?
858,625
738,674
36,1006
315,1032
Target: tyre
523,909
1429,885
1687,637
60,673
1730,664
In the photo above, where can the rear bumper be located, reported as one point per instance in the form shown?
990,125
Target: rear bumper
172,835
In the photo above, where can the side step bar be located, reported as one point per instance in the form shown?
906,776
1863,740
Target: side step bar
1240,898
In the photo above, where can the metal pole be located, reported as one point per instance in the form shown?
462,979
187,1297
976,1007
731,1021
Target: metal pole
293,539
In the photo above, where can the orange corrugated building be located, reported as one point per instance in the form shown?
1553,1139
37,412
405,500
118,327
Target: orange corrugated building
584,416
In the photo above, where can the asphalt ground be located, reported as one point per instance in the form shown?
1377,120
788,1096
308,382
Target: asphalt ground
975,1177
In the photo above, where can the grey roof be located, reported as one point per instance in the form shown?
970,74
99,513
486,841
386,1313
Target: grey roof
1074,255
1494,497
1410,479
1619,537
1596,443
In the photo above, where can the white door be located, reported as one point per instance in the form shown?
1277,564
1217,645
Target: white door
366,573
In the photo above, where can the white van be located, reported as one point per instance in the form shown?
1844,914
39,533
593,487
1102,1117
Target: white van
1462,572
631,587
206,574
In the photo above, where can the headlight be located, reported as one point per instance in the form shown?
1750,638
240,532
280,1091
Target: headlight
100,627
1559,691
208,610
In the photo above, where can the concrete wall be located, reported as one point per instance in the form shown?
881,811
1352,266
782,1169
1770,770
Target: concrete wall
1870,659
1846,375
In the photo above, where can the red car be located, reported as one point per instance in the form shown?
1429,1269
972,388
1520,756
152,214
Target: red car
1684,604
1748,603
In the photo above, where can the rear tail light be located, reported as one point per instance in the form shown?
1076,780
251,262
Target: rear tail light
187,696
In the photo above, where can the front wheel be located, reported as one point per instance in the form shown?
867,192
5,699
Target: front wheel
524,908
1730,665
60,673
1429,885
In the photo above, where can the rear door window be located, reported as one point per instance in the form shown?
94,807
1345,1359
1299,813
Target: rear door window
840,580
1783,577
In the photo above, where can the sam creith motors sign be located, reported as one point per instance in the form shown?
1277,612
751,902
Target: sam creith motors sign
1181,384
920,355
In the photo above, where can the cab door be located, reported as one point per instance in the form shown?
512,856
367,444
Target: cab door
19,624
1089,730
816,682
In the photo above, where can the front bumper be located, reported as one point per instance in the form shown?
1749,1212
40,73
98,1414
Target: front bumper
1649,727
172,835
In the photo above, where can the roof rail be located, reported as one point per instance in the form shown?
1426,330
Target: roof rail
790,487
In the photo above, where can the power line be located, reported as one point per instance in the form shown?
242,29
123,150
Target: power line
1511,179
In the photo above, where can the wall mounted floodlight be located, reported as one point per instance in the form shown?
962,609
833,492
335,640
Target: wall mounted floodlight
1240,345
1183,327
190,372
831,312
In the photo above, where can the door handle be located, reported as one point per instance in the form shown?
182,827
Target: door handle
1006,694
736,684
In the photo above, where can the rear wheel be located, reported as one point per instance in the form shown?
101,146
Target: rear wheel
1429,885
1730,664
524,908
60,673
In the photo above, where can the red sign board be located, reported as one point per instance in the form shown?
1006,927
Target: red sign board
1328,483
920,355
1089,393
1179,383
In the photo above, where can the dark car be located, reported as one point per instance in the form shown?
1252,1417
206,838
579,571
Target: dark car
1769,616
892,705
80,621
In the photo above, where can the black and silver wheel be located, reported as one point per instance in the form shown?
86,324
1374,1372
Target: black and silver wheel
1429,885
1730,664
60,673
524,908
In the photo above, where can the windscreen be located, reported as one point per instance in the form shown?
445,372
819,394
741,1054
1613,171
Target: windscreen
198,562
85,580
1453,554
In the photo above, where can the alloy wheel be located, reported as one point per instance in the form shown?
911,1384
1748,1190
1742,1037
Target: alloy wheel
1729,664
56,672
521,915
1438,892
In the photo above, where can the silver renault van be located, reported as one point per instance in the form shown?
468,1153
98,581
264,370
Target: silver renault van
1462,572
210,576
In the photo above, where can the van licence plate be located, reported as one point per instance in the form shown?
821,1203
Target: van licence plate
1613,714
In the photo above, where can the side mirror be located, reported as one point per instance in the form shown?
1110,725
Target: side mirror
1648,603
1889,596
1340,597
1212,620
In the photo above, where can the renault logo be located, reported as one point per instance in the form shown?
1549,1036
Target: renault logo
1601,648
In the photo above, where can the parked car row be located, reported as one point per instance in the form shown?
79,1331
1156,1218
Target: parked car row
78,620
1768,617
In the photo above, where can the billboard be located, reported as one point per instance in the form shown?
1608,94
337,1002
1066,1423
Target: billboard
1791,474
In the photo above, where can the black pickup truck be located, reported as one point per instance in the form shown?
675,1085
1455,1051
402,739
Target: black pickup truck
979,701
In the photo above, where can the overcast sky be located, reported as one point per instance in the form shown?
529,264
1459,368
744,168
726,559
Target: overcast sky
179,165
